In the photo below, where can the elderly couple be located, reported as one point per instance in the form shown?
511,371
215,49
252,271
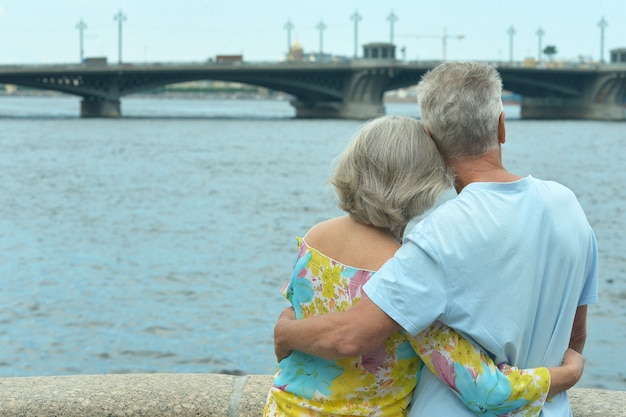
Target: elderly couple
477,307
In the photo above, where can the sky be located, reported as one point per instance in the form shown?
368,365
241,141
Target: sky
185,31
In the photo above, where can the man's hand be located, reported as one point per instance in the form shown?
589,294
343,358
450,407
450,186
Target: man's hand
286,314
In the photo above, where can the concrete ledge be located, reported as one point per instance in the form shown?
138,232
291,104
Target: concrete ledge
186,395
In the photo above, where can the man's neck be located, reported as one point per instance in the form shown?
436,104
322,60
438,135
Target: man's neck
486,168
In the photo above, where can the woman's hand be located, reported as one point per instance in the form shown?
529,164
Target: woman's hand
568,374
575,362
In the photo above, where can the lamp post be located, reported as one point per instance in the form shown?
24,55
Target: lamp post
321,26
602,24
540,34
392,18
357,18
289,27
81,26
120,18
511,32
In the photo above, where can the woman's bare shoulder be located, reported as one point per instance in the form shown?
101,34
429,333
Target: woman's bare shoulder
352,243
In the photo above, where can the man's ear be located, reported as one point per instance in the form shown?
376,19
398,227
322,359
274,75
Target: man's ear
501,129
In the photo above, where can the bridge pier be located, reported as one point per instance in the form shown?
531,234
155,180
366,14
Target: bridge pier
90,107
337,110
570,108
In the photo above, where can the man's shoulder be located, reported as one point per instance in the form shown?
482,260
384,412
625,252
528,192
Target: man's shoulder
550,185
556,193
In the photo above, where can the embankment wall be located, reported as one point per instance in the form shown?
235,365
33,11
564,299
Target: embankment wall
186,395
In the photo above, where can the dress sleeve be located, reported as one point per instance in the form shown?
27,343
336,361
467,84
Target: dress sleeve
486,389
287,289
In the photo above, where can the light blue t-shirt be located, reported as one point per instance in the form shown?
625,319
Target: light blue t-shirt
506,265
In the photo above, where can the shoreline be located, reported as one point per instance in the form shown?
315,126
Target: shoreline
243,95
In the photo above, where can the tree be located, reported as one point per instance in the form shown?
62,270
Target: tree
550,50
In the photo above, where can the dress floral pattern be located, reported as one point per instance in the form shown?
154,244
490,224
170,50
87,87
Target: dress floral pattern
381,383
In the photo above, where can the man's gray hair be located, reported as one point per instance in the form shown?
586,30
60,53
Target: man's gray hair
390,172
460,105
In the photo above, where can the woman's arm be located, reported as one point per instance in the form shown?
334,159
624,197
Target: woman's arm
484,387
568,374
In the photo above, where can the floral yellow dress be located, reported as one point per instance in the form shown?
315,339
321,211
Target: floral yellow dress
381,383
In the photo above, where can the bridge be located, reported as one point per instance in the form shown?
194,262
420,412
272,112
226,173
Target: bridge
348,89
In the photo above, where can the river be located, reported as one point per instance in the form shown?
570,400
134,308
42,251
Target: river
158,242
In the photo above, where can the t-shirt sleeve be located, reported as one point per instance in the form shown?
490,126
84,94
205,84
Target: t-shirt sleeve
590,290
411,286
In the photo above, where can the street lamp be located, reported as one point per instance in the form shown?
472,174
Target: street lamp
602,24
81,26
540,34
321,26
511,32
289,26
357,18
392,18
120,18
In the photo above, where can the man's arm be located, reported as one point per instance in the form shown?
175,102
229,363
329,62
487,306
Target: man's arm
569,373
579,330
354,332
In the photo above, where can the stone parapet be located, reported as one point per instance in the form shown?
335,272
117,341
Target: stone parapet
186,395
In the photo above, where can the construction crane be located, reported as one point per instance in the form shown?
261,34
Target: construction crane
444,39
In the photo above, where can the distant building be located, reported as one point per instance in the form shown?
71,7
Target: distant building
96,61
379,50
618,55
296,52
320,57
228,58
